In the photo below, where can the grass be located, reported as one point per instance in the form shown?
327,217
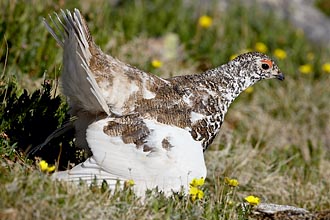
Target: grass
274,141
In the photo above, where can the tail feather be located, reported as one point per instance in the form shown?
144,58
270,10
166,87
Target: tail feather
78,81
59,39
90,172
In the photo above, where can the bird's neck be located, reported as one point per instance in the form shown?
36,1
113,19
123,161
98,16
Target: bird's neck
223,87
228,82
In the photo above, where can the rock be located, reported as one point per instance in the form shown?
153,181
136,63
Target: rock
269,211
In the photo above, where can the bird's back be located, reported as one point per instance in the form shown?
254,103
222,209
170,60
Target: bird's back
137,125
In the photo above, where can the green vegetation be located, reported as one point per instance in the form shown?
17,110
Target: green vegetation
275,140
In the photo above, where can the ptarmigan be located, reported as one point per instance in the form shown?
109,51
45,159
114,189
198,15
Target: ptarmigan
139,126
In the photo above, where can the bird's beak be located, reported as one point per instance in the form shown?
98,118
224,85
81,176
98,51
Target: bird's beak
280,76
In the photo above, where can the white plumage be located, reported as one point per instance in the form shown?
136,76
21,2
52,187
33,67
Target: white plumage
141,127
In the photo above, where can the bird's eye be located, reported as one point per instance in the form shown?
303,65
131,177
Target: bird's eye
265,66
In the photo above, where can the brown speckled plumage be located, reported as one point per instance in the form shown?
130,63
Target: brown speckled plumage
140,113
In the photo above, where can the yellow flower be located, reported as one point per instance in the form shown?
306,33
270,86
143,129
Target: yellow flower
129,183
233,56
195,193
51,168
205,21
249,90
44,167
231,182
197,182
252,200
261,47
306,68
280,54
326,67
156,63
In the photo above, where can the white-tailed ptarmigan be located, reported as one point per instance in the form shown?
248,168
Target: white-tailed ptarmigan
139,126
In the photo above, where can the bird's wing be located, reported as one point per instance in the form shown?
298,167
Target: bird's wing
144,150
93,81
78,80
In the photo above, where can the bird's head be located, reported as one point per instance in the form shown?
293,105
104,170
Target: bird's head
257,66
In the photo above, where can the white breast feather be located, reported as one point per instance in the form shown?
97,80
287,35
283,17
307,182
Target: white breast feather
168,169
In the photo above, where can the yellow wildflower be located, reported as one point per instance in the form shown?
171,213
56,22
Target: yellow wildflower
261,47
280,54
129,183
252,200
44,167
51,168
306,69
326,67
231,182
233,56
249,90
197,182
205,21
156,63
195,193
